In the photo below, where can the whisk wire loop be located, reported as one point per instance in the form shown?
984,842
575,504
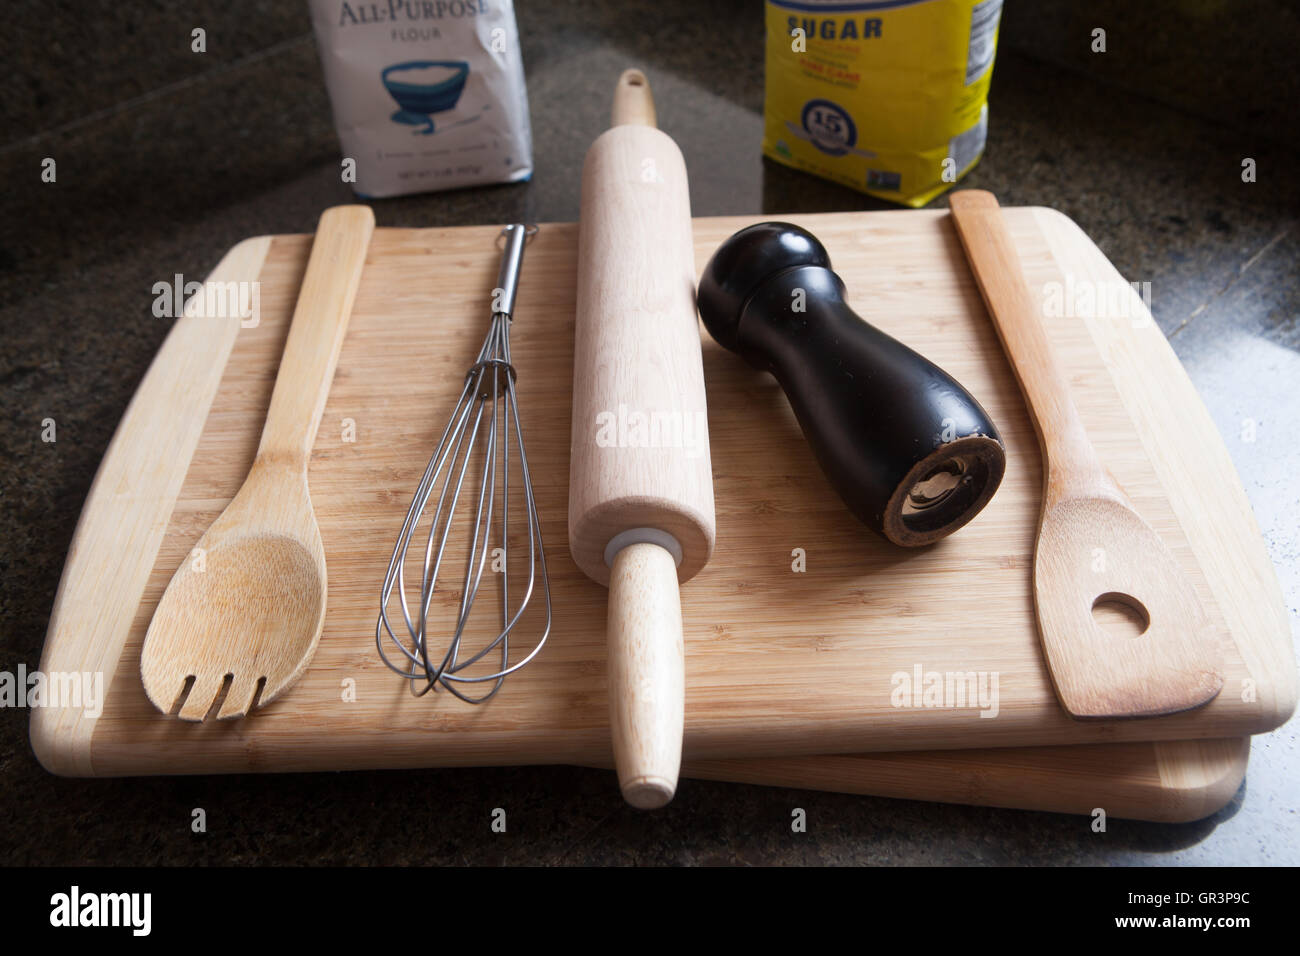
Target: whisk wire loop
484,426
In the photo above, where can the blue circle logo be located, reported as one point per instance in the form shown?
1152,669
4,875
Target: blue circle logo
829,127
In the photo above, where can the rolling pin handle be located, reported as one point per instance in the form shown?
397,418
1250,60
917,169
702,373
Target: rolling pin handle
647,673
634,105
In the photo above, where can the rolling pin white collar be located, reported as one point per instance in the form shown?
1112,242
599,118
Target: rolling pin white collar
647,536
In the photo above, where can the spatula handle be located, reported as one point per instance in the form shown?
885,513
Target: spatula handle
320,321
1017,317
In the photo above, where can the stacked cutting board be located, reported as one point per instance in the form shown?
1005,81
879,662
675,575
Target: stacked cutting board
810,643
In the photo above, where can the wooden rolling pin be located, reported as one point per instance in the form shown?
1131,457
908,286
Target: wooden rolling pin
640,482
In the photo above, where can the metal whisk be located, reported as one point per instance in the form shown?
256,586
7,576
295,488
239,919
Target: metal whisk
484,427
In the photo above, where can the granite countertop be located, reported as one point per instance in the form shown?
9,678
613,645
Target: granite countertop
168,158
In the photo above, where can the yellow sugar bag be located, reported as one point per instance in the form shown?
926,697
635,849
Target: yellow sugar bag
890,98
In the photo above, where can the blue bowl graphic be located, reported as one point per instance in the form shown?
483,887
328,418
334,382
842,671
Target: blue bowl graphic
418,101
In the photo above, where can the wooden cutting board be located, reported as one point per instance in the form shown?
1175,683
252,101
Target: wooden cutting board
1173,781
779,662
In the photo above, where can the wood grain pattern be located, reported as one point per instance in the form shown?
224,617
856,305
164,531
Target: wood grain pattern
1170,782
1233,564
1093,547
640,439
777,661
647,675
640,478
124,518
240,620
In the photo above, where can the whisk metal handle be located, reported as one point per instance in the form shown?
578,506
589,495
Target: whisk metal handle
503,296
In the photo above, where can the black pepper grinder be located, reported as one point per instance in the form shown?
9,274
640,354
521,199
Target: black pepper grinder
910,451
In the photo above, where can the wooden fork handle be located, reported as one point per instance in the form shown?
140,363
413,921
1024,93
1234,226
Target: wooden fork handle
320,321
1018,319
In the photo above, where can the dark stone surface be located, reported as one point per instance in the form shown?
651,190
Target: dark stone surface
1225,62
167,158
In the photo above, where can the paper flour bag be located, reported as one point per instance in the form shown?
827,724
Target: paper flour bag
427,94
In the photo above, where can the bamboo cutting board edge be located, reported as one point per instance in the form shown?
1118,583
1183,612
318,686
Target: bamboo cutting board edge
1173,781
63,740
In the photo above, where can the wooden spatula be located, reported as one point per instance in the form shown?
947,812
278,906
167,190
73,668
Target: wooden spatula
243,613
1093,550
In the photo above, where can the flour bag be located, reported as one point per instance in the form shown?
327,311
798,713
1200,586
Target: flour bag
890,98
427,94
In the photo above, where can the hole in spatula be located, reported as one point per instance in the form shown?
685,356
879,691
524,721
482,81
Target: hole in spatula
1121,615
